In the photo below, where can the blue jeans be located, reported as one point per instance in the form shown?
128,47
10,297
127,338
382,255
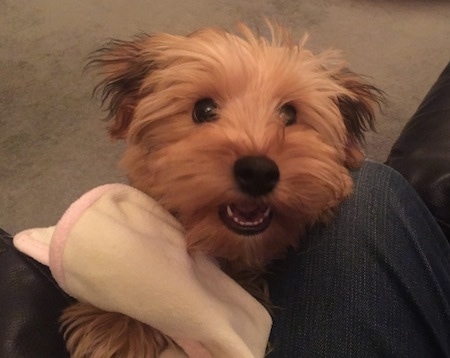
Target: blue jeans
375,282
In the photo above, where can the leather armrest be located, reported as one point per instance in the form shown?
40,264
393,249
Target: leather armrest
422,151
30,305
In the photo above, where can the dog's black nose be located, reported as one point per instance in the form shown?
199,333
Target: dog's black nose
256,175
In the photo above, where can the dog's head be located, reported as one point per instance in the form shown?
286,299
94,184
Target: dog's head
246,140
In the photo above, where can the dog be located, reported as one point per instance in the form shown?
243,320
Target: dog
246,140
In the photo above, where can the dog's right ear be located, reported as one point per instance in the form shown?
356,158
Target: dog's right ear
124,67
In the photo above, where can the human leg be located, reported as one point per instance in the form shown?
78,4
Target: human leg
375,282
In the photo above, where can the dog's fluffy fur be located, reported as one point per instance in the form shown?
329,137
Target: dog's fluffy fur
265,99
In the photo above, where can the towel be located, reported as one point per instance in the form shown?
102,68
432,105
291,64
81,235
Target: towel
119,250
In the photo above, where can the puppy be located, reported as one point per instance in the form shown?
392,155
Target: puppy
246,140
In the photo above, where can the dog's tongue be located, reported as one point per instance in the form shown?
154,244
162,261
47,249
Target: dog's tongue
246,219
248,211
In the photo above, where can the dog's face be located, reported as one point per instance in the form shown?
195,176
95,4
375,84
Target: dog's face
247,141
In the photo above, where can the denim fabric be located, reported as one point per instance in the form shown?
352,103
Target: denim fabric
375,282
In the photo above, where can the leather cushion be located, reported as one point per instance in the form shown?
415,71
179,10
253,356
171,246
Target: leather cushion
31,304
422,151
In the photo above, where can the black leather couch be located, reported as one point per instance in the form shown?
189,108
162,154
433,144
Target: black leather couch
422,151
30,305
31,302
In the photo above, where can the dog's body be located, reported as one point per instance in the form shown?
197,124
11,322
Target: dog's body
246,141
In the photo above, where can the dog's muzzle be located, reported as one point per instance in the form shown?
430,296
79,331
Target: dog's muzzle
256,176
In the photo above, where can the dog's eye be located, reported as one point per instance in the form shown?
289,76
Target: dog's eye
288,114
205,110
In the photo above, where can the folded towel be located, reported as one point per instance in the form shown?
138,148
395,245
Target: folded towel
119,250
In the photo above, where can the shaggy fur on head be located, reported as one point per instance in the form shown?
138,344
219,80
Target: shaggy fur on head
190,108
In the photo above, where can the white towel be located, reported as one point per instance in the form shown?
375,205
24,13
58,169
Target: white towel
119,250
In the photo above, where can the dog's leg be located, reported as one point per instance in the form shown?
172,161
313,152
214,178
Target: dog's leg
92,333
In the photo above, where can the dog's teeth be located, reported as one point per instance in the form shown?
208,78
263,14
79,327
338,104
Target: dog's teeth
238,221
248,223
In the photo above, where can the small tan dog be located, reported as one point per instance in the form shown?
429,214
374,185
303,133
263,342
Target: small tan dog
247,141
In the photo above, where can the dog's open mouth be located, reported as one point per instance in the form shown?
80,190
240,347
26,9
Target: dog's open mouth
246,219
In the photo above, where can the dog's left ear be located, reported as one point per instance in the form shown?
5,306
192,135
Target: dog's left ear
357,107
123,66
